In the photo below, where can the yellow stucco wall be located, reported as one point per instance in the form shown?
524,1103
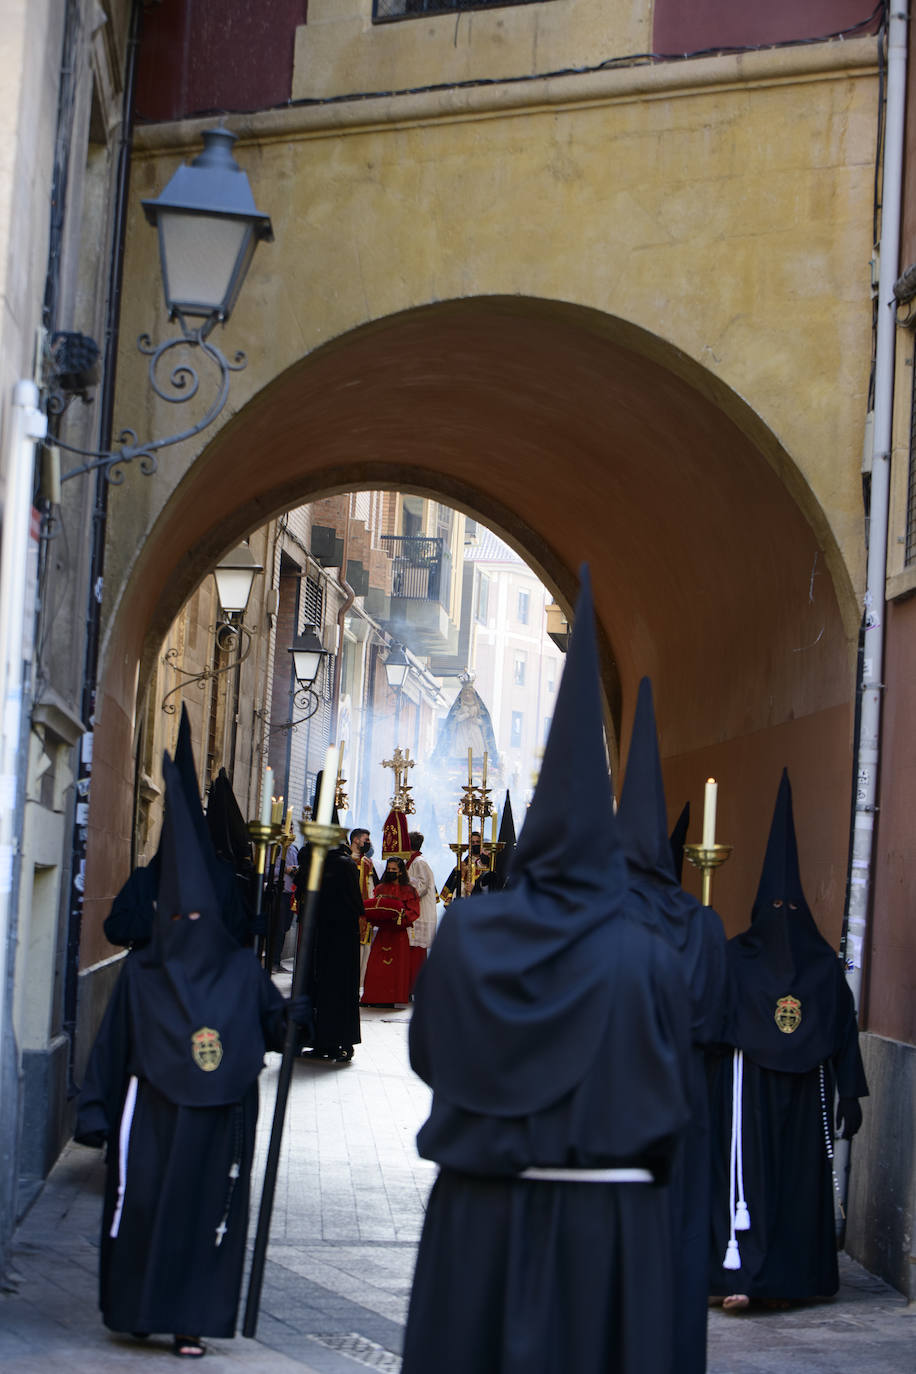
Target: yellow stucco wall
340,51
724,205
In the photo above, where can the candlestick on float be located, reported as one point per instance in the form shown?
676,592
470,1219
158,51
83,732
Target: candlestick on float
321,837
707,861
262,834
708,856
267,787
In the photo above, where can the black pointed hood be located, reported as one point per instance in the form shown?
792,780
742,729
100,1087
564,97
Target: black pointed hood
197,995
187,772
521,984
678,840
569,831
506,838
226,824
643,816
787,976
643,821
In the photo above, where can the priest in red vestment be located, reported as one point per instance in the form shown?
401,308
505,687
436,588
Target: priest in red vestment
393,907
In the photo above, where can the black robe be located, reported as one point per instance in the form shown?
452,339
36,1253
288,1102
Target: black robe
515,1275
554,1033
332,981
790,1250
793,1020
163,1271
696,935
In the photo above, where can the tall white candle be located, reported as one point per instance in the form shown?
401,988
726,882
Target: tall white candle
267,788
328,785
709,813
484,780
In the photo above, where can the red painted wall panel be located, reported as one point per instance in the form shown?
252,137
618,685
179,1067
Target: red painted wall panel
201,57
691,26
891,954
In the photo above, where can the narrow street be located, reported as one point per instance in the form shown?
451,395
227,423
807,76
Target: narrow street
348,1213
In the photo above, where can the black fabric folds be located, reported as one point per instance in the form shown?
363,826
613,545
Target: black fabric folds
678,840
524,981
789,986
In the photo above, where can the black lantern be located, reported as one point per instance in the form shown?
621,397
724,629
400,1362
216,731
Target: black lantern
235,575
208,229
307,651
396,668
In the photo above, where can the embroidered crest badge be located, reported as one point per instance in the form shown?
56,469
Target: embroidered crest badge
788,1014
207,1049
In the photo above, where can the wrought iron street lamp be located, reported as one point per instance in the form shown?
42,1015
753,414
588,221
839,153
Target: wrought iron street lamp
208,227
397,668
308,654
234,575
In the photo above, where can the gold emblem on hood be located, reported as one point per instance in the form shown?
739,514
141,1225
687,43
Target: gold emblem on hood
788,1014
207,1049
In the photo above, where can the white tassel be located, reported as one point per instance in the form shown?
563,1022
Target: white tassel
732,1257
742,1217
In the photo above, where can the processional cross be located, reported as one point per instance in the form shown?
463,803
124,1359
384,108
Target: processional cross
399,763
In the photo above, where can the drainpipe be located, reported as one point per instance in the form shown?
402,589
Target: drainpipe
341,617
870,685
28,426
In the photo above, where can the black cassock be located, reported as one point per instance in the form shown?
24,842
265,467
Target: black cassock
171,1087
794,1022
697,938
169,1184
333,975
554,1033
515,1275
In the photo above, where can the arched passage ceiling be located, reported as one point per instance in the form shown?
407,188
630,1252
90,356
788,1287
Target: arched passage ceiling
580,438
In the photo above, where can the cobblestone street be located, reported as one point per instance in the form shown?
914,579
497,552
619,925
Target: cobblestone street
348,1213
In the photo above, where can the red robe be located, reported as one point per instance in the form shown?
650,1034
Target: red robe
392,907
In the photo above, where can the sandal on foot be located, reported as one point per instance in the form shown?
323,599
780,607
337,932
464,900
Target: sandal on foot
188,1347
736,1303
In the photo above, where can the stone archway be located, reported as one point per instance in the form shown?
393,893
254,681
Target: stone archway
578,437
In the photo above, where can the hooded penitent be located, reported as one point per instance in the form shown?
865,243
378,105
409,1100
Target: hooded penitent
695,933
506,838
197,1035
787,978
643,823
226,823
524,982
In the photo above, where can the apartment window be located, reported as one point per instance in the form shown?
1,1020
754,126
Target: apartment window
518,669
408,9
515,734
483,598
523,602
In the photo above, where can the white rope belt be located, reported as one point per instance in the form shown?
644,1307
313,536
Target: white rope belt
589,1175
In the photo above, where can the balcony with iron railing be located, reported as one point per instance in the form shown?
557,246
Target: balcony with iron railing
421,579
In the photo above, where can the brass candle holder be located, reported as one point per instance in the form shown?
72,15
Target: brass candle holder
707,860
